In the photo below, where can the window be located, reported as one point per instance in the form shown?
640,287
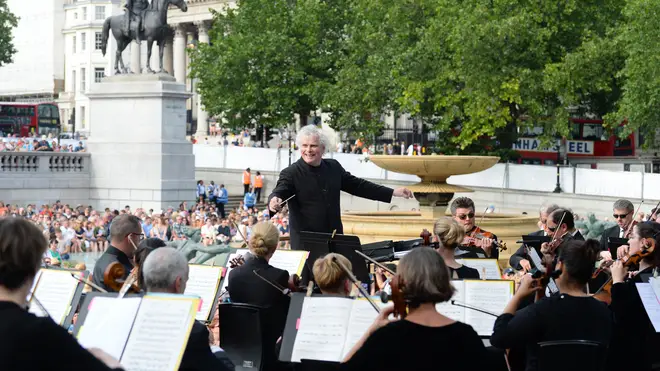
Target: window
83,41
98,40
73,80
592,132
75,15
99,74
82,117
75,41
99,13
84,9
82,79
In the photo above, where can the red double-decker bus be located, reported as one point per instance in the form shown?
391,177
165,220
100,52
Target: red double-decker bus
26,119
589,139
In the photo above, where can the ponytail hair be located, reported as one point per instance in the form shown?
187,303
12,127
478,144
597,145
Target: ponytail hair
579,259
264,239
449,232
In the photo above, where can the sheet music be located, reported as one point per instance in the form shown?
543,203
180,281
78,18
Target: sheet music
291,261
160,334
34,284
536,259
491,267
239,252
492,296
361,318
323,327
449,310
55,292
650,302
203,282
108,324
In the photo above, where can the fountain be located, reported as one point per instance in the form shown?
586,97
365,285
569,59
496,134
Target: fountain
434,195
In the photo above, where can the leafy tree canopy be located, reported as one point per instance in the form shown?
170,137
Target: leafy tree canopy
7,22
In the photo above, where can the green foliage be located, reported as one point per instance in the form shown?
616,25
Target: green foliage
7,22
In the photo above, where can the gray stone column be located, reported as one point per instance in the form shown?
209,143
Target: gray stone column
202,116
179,51
136,58
168,58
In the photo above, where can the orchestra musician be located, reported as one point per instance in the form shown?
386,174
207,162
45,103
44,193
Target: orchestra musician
563,233
125,236
29,342
246,287
634,332
166,270
463,211
520,260
144,249
316,184
571,315
623,213
330,278
448,233
424,339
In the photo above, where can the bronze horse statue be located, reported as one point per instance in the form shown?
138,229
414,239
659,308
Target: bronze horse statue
155,28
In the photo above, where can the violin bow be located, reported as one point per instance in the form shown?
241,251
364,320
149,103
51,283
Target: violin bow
655,213
483,215
375,262
354,280
561,221
238,230
632,222
90,283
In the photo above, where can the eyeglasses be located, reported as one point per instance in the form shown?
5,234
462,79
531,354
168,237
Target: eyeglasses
463,217
621,216
552,229
140,236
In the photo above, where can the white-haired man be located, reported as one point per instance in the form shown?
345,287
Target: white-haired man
166,270
317,183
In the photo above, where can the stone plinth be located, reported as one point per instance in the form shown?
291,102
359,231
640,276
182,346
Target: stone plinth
140,156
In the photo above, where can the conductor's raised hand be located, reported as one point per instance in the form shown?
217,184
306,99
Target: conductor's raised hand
402,192
275,203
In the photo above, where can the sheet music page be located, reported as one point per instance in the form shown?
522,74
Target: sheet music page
536,259
54,291
362,316
203,282
34,284
238,253
322,330
291,261
655,284
160,333
490,266
650,302
449,310
108,324
492,296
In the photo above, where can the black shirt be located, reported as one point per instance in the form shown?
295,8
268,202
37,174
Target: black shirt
559,317
404,345
28,342
111,255
464,273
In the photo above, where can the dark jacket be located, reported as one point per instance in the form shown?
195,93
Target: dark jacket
316,207
198,355
609,232
520,254
111,255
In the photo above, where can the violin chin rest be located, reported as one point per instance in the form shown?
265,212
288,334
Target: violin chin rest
384,297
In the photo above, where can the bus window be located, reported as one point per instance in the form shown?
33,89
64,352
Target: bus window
44,111
592,132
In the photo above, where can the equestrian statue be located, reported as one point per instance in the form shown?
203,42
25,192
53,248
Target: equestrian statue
141,21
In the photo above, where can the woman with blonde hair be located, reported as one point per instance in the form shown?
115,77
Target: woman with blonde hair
448,234
247,284
329,275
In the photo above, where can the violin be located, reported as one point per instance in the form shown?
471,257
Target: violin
113,278
604,293
478,234
237,262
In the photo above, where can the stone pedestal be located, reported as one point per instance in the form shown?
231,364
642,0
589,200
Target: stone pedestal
140,155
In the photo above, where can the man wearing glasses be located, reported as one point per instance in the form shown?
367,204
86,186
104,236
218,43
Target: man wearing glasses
125,236
520,260
623,216
479,243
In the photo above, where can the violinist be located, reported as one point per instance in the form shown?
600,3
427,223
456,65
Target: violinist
634,332
246,287
478,242
330,278
623,214
424,339
520,260
571,315
448,233
560,225
29,342
125,236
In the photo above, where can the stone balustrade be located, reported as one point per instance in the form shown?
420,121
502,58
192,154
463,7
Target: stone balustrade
44,162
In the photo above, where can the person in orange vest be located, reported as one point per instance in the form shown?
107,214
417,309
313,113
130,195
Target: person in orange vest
258,184
247,181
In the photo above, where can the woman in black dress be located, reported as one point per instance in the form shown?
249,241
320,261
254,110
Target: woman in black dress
425,339
448,233
28,342
571,315
636,344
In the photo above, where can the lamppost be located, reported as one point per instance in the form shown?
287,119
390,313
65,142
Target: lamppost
558,185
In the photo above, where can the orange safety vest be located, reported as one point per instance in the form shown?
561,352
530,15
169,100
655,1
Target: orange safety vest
246,177
259,181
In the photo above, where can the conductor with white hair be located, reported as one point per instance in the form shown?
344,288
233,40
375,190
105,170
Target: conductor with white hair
316,184
166,270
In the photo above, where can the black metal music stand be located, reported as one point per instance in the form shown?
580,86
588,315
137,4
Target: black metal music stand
613,244
321,244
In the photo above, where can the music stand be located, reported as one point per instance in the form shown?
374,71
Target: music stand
381,250
613,244
321,244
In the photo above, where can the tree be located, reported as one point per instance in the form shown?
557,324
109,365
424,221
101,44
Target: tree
269,60
7,22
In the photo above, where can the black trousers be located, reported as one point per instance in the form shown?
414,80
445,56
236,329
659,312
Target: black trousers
258,192
246,189
221,209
